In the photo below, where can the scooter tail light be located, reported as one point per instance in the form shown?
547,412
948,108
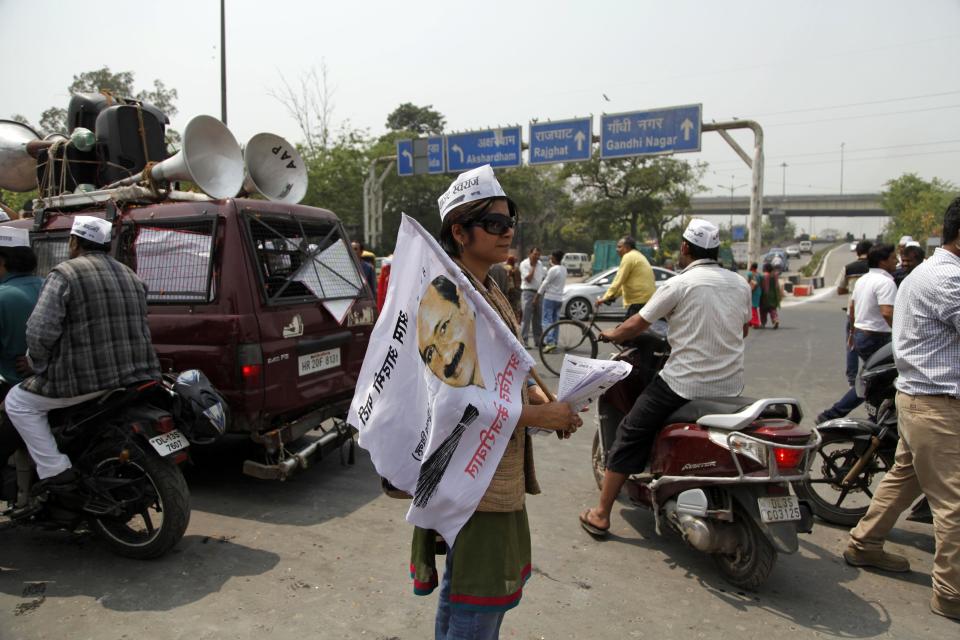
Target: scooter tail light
165,425
788,458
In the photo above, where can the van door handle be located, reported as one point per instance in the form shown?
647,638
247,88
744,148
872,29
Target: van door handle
326,342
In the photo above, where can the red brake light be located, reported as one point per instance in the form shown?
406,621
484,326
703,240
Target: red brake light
251,373
165,425
788,458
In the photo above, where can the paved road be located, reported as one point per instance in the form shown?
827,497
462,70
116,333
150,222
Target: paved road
325,555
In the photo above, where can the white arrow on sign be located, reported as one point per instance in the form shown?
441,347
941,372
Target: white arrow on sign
457,148
408,156
686,125
579,138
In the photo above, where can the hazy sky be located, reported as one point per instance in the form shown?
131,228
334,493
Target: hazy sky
880,76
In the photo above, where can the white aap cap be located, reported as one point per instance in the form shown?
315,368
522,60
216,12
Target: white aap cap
912,243
904,240
704,234
13,237
92,229
476,184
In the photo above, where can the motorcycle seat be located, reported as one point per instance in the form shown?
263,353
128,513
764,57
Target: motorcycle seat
696,409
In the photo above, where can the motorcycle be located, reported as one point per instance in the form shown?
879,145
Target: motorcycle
125,447
854,452
720,470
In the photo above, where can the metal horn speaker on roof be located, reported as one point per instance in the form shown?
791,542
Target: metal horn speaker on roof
274,169
210,158
18,169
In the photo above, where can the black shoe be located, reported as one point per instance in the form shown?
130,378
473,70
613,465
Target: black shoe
62,480
821,418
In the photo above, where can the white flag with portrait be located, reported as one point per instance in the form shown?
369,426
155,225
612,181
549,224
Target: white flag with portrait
438,396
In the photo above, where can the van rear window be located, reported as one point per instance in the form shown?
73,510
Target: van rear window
302,259
51,249
174,259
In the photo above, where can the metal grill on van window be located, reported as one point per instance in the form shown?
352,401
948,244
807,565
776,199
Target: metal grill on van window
302,259
173,258
51,249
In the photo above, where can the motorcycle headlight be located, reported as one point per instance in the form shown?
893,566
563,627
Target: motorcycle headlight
740,444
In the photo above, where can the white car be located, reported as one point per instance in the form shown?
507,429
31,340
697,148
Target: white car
793,251
806,246
577,264
579,299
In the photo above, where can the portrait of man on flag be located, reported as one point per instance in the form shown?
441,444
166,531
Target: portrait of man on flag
446,333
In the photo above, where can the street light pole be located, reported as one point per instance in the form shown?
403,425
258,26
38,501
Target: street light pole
784,166
842,144
732,189
223,63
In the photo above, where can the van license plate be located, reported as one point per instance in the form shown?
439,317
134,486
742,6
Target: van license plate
313,362
781,509
169,442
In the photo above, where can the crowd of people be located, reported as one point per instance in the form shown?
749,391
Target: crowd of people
894,295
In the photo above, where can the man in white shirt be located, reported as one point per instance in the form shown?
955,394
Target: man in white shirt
708,310
926,348
870,318
551,291
531,277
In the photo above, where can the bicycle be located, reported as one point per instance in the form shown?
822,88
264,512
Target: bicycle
573,337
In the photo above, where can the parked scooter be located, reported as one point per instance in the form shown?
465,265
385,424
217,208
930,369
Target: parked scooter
125,448
855,452
720,470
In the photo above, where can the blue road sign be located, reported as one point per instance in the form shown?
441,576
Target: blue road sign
640,133
435,163
496,147
564,141
404,157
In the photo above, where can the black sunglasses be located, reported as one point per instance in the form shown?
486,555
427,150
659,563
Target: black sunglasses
495,224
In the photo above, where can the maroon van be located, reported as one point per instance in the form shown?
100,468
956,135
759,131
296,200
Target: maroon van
265,298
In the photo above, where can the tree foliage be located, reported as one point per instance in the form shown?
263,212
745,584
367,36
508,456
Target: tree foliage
419,120
636,196
916,206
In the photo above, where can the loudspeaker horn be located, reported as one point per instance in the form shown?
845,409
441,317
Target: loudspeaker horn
210,158
274,169
18,170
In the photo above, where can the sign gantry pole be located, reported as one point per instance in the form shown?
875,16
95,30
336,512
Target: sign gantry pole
756,164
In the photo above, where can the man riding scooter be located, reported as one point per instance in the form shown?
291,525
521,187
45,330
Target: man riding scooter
708,311
87,334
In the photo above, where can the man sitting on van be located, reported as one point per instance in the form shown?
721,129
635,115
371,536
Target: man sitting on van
634,278
88,334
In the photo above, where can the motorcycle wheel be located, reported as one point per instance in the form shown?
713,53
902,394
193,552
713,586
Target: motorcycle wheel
597,460
823,490
159,505
753,561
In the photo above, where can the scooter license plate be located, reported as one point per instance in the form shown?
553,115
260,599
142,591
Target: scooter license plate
779,509
169,442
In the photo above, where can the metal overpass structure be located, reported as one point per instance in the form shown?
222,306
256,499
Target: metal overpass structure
852,205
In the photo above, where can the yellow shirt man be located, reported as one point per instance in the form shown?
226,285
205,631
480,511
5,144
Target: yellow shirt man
634,279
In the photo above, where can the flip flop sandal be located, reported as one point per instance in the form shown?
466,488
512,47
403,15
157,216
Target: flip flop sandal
592,529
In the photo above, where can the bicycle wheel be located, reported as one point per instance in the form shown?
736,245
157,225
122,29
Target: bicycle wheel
566,337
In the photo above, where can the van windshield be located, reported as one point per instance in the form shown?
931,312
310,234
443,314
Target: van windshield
302,259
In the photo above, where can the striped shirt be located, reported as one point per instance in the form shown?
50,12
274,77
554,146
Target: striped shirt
926,328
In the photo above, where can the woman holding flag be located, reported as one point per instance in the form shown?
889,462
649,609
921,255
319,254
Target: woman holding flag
490,560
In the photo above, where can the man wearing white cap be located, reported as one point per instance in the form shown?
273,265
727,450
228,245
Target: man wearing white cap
88,334
708,310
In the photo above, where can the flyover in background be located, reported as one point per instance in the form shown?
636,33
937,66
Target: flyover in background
852,205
